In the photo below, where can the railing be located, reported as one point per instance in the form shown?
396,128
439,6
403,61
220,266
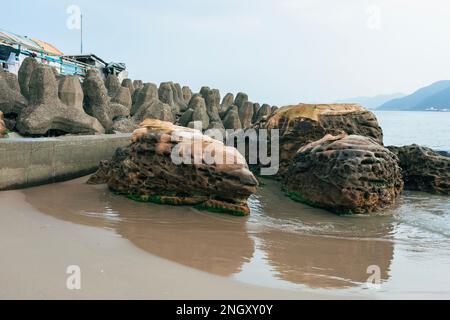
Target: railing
64,65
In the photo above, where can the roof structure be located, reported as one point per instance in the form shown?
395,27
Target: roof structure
11,38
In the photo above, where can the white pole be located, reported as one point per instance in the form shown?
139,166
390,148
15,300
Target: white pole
81,36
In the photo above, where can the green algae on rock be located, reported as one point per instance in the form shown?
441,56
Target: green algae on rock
146,171
345,174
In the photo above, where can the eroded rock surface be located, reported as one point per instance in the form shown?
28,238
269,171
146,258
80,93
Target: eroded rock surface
146,171
304,123
3,129
346,174
424,169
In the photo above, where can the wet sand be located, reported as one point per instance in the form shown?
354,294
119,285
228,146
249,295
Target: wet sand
36,249
283,250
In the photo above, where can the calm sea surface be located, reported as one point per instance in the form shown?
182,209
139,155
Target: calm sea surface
431,129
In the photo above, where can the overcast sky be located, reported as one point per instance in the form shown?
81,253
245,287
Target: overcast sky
277,51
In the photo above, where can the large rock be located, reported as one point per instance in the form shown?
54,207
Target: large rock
146,171
301,124
124,125
171,93
25,71
11,80
424,169
241,99
3,129
145,95
227,102
98,104
166,95
345,174
186,117
178,97
128,83
46,114
112,84
154,109
11,100
256,107
70,92
246,114
198,105
212,101
231,120
123,97
262,113
138,85
204,90
187,94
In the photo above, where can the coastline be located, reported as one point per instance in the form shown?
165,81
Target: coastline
37,249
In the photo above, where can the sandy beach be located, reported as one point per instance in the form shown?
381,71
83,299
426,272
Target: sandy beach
36,249
283,250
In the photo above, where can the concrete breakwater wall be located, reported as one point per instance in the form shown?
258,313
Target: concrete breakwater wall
26,162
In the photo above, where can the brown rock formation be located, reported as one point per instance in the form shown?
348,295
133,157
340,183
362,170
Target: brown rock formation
304,123
345,174
146,171
3,130
424,169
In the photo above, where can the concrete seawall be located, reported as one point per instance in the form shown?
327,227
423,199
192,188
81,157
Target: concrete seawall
26,162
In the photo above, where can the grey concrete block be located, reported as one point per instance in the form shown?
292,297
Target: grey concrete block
26,162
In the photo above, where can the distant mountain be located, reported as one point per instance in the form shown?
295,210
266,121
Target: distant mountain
440,100
436,95
372,102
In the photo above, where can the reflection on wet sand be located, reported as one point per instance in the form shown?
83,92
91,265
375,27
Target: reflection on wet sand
324,262
336,251
213,243
222,244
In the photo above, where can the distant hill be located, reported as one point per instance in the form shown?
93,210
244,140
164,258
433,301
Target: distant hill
436,95
440,100
372,102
